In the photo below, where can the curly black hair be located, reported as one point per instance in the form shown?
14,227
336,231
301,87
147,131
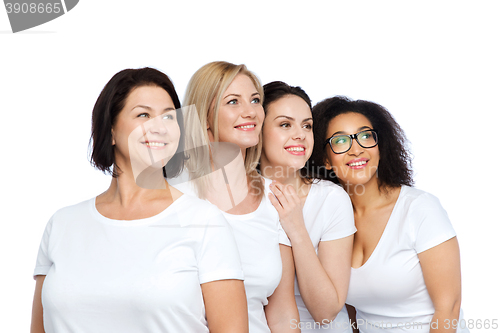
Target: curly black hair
394,167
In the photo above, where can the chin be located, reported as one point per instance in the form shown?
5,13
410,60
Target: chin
248,144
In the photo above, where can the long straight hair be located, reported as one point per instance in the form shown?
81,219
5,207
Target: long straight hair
205,91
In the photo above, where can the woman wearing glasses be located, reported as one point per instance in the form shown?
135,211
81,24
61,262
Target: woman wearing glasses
406,262
316,214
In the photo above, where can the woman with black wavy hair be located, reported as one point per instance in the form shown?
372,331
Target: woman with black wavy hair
406,262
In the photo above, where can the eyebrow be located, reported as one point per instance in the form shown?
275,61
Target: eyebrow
237,95
291,118
359,129
149,108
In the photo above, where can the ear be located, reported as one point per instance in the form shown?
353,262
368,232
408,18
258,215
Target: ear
210,135
328,166
113,138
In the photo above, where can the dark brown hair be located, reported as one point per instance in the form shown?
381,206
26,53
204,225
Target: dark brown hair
110,103
274,91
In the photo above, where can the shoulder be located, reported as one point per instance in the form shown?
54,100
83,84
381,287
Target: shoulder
416,199
327,190
428,221
193,210
73,210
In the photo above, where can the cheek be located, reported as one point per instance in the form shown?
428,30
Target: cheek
335,160
269,139
224,122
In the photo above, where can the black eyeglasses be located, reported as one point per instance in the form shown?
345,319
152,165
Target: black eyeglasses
342,143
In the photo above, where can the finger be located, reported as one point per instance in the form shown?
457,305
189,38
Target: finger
275,202
277,190
290,194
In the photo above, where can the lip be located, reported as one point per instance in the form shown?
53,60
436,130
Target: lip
298,153
155,147
238,127
357,160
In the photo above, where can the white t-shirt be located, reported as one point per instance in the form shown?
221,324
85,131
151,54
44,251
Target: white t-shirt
105,275
389,289
258,235
328,215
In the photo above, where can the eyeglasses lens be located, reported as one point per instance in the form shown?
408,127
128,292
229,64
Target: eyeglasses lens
342,143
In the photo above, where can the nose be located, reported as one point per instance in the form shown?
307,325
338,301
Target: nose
299,134
156,125
356,149
249,111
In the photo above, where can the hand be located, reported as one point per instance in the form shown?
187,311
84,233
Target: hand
289,208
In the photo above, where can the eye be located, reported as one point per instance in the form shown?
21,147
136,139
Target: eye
256,100
339,141
285,125
143,115
232,102
365,135
168,116
307,126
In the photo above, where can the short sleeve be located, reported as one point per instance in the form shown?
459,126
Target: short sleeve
340,217
218,256
282,236
431,225
43,261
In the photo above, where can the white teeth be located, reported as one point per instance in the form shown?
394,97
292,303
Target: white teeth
155,144
295,149
358,163
246,126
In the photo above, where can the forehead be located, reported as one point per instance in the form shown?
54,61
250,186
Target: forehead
349,123
150,96
290,105
241,83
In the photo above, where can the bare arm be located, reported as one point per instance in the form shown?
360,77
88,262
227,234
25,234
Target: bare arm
441,269
323,278
37,311
225,306
281,311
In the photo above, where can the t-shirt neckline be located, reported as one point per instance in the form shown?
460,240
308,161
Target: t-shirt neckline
391,217
132,223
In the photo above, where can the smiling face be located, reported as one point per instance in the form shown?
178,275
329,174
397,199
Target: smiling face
240,114
358,165
146,132
287,133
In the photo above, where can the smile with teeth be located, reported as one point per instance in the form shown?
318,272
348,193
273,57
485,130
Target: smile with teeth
359,163
295,149
155,144
246,126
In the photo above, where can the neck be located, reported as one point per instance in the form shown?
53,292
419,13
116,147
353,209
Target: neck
284,174
365,197
129,187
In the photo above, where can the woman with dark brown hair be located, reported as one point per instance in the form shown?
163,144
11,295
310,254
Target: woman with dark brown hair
138,258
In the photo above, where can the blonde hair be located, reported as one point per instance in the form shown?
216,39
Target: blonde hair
204,90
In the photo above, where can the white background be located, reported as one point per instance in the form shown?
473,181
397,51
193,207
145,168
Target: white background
434,65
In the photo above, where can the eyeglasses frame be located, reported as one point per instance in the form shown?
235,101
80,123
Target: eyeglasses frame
353,137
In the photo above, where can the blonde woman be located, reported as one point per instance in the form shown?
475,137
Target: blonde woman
229,115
